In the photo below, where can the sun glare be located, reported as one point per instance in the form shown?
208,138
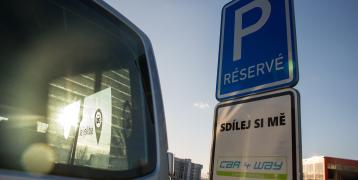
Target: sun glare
68,117
3,118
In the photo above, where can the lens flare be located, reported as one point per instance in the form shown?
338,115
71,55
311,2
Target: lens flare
38,158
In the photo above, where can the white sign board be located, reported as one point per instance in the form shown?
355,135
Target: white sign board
257,137
94,136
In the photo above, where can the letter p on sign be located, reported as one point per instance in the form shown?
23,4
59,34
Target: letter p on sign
240,32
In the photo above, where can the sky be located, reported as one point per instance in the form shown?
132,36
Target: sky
185,37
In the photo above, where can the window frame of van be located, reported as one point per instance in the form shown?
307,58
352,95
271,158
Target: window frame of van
102,8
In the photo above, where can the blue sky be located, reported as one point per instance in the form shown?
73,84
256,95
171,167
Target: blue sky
185,37
326,33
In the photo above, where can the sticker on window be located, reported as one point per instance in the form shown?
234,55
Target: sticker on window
94,135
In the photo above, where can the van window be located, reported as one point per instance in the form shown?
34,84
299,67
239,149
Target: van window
74,98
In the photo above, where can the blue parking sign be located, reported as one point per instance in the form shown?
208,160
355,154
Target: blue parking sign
257,48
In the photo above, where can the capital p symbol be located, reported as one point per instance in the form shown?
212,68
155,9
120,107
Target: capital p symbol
240,32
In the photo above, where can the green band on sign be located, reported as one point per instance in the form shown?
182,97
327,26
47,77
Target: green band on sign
252,175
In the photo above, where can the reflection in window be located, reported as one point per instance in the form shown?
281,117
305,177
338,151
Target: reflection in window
90,128
59,58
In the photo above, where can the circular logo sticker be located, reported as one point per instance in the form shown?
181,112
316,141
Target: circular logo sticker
98,118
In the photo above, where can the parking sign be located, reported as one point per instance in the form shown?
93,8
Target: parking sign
257,48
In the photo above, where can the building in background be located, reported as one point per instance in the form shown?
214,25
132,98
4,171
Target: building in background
329,168
184,169
171,165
